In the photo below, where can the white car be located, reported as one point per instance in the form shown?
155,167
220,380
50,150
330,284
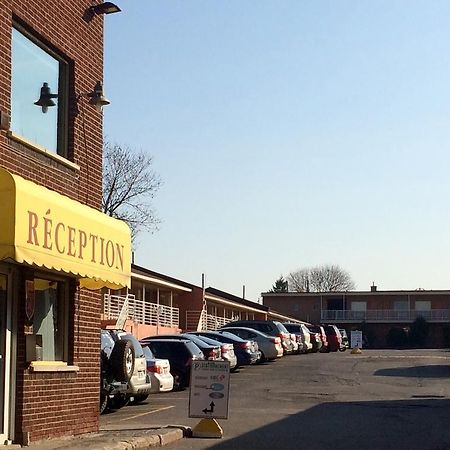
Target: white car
159,371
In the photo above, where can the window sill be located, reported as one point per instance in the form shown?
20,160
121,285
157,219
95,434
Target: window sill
44,151
52,366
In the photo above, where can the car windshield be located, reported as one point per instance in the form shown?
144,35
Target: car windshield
148,353
281,327
208,340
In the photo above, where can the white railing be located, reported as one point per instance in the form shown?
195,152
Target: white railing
140,311
386,315
205,321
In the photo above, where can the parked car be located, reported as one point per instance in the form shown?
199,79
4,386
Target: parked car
300,329
270,327
211,352
323,336
269,346
316,341
180,353
334,338
227,350
116,368
159,371
246,351
139,384
345,341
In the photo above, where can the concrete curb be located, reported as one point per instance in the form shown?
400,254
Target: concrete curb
117,440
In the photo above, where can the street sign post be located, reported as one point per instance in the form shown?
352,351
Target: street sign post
209,389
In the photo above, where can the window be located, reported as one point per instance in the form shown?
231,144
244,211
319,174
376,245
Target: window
32,65
48,317
359,306
423,305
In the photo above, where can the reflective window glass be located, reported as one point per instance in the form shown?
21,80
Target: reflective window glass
32,66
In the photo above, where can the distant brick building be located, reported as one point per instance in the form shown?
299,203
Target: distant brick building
377,311
54,243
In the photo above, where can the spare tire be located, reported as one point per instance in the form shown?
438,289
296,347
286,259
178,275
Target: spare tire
122,360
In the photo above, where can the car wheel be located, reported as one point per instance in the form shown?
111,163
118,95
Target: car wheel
140,398
118,401
178,381
122,360
262,358
103,402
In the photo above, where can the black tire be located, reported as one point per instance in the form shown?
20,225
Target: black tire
140,398
178,381
122,360
103,402
118,401
262,359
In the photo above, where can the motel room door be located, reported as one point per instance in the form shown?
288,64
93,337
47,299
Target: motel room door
5,355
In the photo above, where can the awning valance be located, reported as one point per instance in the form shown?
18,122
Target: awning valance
44,228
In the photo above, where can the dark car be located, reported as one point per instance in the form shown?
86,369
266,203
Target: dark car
334,338
210,351
246,351
270,327
323,336
226,349
180,353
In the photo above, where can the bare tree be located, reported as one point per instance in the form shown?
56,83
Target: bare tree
299,281
326,278
129,184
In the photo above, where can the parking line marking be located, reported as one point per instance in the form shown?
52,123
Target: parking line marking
148,412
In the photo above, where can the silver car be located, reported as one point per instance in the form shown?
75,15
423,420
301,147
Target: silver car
269,346
139,385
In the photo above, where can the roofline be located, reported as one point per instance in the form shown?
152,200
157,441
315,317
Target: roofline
351,293
218,293
155,277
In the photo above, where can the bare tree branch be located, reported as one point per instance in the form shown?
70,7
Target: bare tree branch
327,278
128,184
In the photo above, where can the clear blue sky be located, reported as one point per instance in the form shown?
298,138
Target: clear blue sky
288,134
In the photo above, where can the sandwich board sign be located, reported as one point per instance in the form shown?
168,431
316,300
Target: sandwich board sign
209,389
356,339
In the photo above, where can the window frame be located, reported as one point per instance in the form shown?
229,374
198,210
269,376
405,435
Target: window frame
63,311
62,123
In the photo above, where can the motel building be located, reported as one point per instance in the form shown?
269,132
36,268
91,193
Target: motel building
57,250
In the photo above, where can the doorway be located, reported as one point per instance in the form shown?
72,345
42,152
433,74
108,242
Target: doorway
5,356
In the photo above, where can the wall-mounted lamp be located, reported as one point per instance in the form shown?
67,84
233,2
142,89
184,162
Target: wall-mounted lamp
45,99
101,8
105,8
96,97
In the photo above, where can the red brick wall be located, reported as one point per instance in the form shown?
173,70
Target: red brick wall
304,307
55,404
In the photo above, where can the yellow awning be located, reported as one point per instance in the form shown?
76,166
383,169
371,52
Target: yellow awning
44,228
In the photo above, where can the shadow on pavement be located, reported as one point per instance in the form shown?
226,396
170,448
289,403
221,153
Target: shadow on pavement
435,371
409,424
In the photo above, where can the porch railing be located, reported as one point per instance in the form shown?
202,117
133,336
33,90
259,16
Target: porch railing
140,311
205,321
386,315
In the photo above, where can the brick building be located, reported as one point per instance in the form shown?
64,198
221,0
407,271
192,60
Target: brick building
376,311
160,304
56,248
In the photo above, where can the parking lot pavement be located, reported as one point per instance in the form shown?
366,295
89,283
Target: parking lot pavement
376,400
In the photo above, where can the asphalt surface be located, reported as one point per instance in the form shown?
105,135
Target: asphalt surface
376,400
